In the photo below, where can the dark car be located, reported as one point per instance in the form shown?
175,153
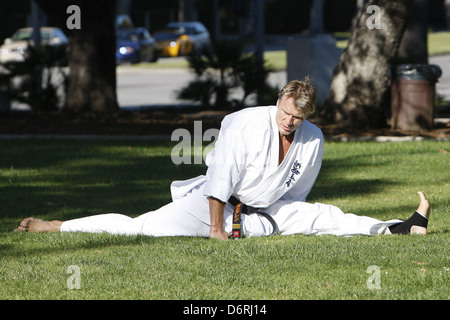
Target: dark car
135,45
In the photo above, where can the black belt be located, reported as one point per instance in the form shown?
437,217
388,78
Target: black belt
241,208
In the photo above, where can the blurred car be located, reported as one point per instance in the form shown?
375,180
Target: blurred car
182,38
14,49
135,45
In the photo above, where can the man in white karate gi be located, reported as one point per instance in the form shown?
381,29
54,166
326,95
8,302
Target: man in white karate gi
265,158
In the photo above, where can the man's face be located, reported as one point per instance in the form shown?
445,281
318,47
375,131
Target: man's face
289,118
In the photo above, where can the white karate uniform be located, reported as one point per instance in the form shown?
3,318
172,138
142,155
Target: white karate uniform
245,163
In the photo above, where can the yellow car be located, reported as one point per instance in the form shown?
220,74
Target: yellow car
175,46
181,38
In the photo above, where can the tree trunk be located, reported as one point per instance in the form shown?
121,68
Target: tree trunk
360,79
447,13
414,47
91,57
316,24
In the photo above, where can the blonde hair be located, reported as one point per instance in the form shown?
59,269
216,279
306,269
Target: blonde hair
303,93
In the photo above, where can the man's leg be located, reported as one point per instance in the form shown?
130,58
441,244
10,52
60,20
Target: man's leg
169,220
111,223
306,218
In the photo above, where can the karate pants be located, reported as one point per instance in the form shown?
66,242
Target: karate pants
189,216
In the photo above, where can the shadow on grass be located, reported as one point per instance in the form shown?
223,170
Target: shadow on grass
333,180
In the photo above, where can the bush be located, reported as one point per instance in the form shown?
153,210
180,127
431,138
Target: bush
223,67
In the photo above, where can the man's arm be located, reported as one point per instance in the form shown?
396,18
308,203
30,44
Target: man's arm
216,208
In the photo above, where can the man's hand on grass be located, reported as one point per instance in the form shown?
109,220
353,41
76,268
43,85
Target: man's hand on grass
218,234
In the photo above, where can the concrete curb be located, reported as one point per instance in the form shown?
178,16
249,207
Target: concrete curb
384,139
83,137
168,138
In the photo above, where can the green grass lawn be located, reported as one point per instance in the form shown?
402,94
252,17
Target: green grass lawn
56,179
276,60
438,42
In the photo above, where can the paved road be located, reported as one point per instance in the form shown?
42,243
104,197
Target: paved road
443,86
139,87
146,86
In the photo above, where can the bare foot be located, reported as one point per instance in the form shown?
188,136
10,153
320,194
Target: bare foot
424,206
38,225
424,210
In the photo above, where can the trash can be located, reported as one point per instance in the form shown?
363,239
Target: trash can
412,95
